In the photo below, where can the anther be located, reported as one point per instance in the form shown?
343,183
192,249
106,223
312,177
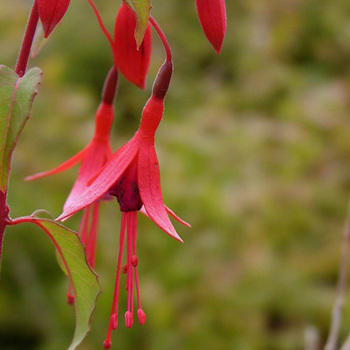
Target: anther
134,260
128,319
114,321
141,316
107,344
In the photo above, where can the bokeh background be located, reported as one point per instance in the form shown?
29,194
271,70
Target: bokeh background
254,152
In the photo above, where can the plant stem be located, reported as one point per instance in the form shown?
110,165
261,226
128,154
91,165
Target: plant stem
24,53
162,38
341,288
3,218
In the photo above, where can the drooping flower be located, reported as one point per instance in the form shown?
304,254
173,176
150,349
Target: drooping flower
212,16
132,176
93,157
133,62
51,12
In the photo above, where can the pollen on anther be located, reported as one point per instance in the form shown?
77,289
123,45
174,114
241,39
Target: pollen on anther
128,319
141,316
107,344
114,321
134,260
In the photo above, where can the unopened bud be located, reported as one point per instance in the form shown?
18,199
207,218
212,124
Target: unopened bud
124,269
141,316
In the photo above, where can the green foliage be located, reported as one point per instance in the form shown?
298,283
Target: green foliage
141,9
16,98
84,280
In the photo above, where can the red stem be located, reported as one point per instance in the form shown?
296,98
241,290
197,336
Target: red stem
162,37
4,211
23,56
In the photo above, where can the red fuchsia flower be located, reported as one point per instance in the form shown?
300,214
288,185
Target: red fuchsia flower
51,12
93,157
133,62
212,16
132,176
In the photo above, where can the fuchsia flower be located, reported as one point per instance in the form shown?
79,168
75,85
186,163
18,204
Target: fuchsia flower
132,176
93,157
133,62
51,12
212,16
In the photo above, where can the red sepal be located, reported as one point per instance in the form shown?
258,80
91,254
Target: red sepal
132,62
212,16
51,12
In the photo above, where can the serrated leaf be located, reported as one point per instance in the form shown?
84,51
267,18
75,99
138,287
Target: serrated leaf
16,98
142,9
84,280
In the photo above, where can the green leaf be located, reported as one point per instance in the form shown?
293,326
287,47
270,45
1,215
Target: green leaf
142,9
16,99
83,278
39,41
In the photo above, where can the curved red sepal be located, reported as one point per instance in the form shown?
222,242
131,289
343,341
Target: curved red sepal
212,16
105,178
132,62
51,12
150,189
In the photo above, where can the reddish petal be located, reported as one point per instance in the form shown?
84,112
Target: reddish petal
51,12
212,16
170,212
96,156
106,178
150,190
132,62
64,166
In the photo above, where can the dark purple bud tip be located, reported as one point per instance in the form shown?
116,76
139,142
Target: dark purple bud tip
110,86
162,82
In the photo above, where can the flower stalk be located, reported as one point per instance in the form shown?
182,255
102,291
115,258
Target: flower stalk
24,53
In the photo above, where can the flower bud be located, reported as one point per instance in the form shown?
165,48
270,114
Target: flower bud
132,62
212,16
51,12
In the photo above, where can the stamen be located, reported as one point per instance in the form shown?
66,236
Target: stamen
129,255
141,317
91,246
140,313
128,319
83,229
113,322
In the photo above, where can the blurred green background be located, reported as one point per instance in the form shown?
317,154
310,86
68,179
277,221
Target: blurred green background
254,151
